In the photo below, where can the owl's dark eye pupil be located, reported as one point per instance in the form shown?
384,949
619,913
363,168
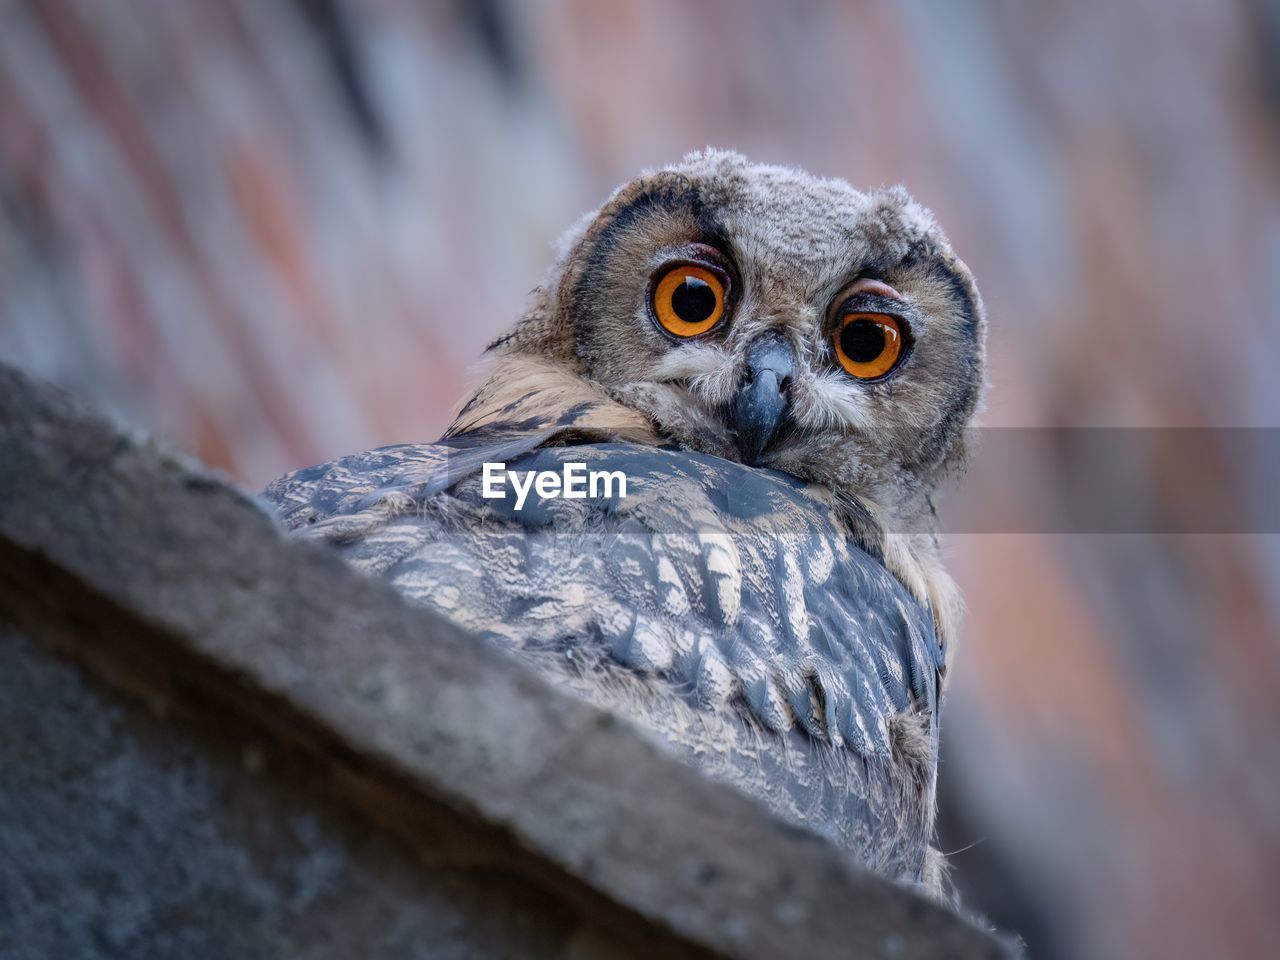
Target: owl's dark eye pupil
693,300
862,341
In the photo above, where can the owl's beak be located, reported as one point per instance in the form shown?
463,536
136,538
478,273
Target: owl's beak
764,396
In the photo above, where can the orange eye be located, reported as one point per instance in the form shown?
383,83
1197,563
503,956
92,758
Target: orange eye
868,345
688,300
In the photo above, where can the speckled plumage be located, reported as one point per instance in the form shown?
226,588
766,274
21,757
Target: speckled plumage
769,623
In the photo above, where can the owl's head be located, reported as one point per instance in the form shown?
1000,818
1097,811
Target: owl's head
760,314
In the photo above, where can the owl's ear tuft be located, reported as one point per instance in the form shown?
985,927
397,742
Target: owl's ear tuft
897,211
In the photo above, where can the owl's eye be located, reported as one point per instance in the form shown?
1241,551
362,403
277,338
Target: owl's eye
868,345
688,300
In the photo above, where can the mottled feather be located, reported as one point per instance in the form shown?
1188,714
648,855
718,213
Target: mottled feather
726,610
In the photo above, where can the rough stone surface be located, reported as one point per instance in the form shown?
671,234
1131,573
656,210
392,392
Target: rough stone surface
261,753
128,837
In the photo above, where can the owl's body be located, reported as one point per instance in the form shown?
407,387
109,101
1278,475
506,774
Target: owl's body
782,368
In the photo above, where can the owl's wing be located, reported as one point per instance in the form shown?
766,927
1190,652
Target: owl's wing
723,608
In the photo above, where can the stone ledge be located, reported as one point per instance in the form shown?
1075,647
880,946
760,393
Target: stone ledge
170,584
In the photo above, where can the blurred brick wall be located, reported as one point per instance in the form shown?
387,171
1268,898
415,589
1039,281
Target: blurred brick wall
278,232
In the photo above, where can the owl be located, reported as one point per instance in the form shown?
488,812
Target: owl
769,374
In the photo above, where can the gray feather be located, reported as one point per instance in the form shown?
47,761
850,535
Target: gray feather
723,609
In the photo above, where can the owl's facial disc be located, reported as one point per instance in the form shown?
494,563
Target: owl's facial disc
759,314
